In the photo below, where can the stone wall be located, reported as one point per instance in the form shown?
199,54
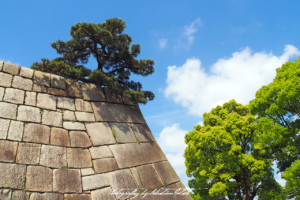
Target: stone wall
60,139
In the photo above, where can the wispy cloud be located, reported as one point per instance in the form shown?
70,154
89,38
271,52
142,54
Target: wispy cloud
163,43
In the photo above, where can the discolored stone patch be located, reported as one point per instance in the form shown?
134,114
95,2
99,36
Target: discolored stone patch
39,88
105,165
79,158
82,105
11,68
67,181
142,132
20,195
4,124
58,82
148,177
5,79
53,156
100,152
77,197
66,103
124,133
39,179
104,193
2,89
85,117
8,151
111,97
14,96
87,171
36,133
46,101
22,83
74,126
60,137
92,92
26,72
41,78
80,139
100,133
52,118
29,114
68,115
166,172
58,92
28,153
94,182
30,98
12,175
15,130
46,196
74,89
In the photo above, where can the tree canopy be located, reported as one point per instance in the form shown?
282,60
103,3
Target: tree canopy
116,59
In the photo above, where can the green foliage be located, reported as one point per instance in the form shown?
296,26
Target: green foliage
115,57
292,176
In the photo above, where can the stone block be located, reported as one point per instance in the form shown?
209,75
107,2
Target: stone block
58,92
8,110
26,72
60,137
68,115
36,133
82,105
87,171
130,102
4,125
100,133
105,165
76,126
22,83
142,132
12,175
39,179
166,172
78,197
30,98
180,191
79,158
136,176
2,89
94,182
67,181
46,196
104,193
15,131
53,156
58,82
29,114
39,88
92,92
11,68
28,153
111,97
8,151
20,195
85,117
52,118
117,113
66,103
100,152
1,65
74,89
14,96
148,177
80,139
46,101
123,131
5,79
5,194
41,78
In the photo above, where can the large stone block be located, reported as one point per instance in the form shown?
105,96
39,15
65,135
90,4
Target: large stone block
66,103
14,96
39,179
5,79
26,72
46,196
22,83
2,89
105,165
11,68
104,193
53,156
5,194
57,92
124,133
20,195
111,97
68,115
67,181
87,171
148,177
28,153
92,92
12,175
117,113
30,98
82,105
100,133
179,191
4,124
15,131
85,117
129,102
142,132
77,197
52,118
136,176
100,152
79,158
39,88
8,151
46,101
80,139
74,89
76,126
41,78
8,110
166,172
58,82
94,182
60,137
36,133
29,114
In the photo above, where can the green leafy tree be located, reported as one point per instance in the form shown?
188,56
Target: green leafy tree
229,157
115,57
292,176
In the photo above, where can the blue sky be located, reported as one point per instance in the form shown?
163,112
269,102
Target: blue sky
206,52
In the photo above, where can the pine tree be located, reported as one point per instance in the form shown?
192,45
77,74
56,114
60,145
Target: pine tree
115,57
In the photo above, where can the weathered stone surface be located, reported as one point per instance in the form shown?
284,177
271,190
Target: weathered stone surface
58,82
87,171
36,133
94,182
67,181
111,97
29,114
14,96
80,139
66,103
103,193
52,118
12,175
100,152
105,165
78,197
166,172
1,65
74,89
148,177
39,179
92,92
136,176
26,72
53,156
124,133
46,196
5,194
85,117
39,88
20,195
117,113
60,137
4,124
5,79
142,132
74,126
100,133
22,83
68,115
8,110
79,158
58,92
129,102
180,191
28,153
46,101
15,131
41,78
30,98
2,89
11,68
8,151
82,105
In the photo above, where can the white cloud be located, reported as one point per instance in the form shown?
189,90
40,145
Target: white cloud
163,43
189,30
237,77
